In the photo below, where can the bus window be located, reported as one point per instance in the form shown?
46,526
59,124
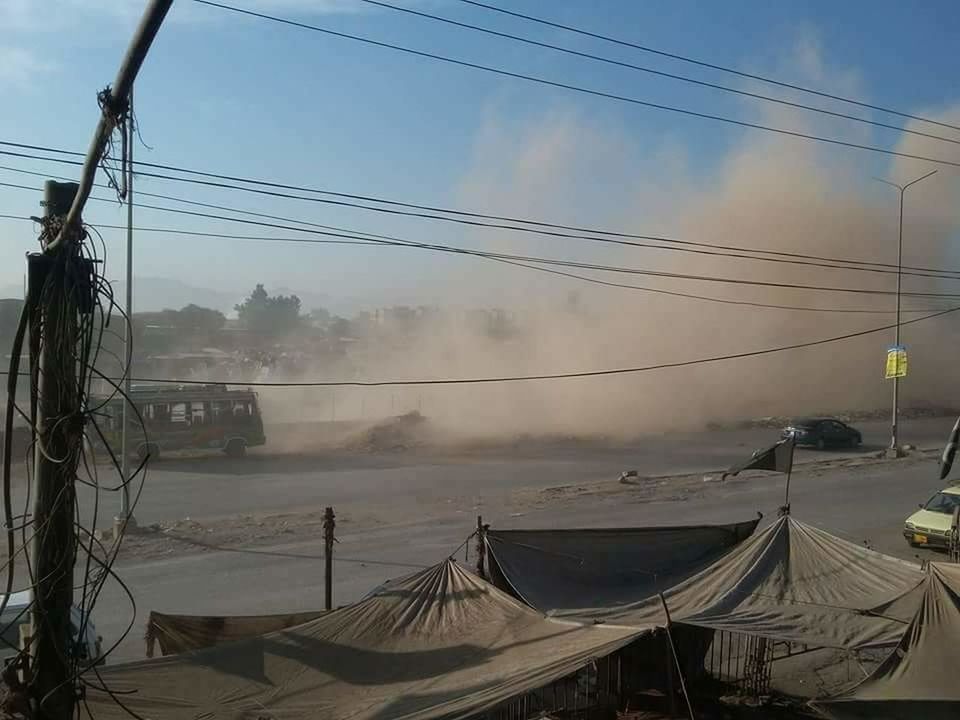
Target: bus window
178,413
158,413
198,412
221,410
241,408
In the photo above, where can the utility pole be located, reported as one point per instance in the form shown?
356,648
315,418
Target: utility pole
61,289
894,424
56,285
329,524
125,517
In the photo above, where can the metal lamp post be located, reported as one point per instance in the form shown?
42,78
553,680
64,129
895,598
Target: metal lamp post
894,442
126,516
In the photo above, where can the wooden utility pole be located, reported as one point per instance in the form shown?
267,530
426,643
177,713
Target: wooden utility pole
329,525
58,288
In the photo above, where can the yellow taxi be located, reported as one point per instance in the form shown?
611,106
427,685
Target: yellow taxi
932,523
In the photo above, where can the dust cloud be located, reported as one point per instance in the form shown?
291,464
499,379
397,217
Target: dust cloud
764,191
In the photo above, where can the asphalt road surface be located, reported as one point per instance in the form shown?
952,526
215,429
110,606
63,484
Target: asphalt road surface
216,486
426,506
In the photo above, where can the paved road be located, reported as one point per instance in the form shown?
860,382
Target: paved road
864,504
215,486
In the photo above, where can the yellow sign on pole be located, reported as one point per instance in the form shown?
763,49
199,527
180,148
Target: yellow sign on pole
896,362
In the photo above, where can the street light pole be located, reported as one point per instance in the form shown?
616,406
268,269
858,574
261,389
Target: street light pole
125,419
894,429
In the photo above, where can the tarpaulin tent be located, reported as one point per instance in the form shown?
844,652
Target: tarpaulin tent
792,582
919,679
440,644
180,633
573,572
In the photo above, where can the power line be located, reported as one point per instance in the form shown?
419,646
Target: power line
652,71
702,63
347,234
578,88
553,376
431,209
940,274
575,276
564,263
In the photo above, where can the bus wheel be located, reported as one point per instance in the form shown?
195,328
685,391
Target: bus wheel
151,449
236,448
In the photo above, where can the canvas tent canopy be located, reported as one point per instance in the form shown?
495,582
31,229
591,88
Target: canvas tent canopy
793,582
576,572
919,679
442,643
181,633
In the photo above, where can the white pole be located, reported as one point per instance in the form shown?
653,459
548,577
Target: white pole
894,424
128,329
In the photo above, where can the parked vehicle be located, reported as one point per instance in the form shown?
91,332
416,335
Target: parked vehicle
932,524
184,417
822,433
17,613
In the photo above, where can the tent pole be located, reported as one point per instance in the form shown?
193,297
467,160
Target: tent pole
676,659
671,690
329,523
786,496
481,548
785,510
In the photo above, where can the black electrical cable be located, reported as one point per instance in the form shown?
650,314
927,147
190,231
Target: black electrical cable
434,209
702,63
652,71
577,88
12,378
525,258
713,253
551,261
574,276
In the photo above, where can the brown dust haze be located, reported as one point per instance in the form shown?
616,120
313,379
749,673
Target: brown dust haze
765,191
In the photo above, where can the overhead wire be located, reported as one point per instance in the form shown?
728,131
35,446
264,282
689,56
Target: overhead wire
577,88
345,234
702,63
447,211
653,71
550,261
684,248
574,276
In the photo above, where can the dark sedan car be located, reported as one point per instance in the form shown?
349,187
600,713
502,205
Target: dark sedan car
823,433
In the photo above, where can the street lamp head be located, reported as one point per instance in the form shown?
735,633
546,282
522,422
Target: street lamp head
902,188
887,182
922,177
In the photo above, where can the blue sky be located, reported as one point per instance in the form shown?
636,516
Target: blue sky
239,96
